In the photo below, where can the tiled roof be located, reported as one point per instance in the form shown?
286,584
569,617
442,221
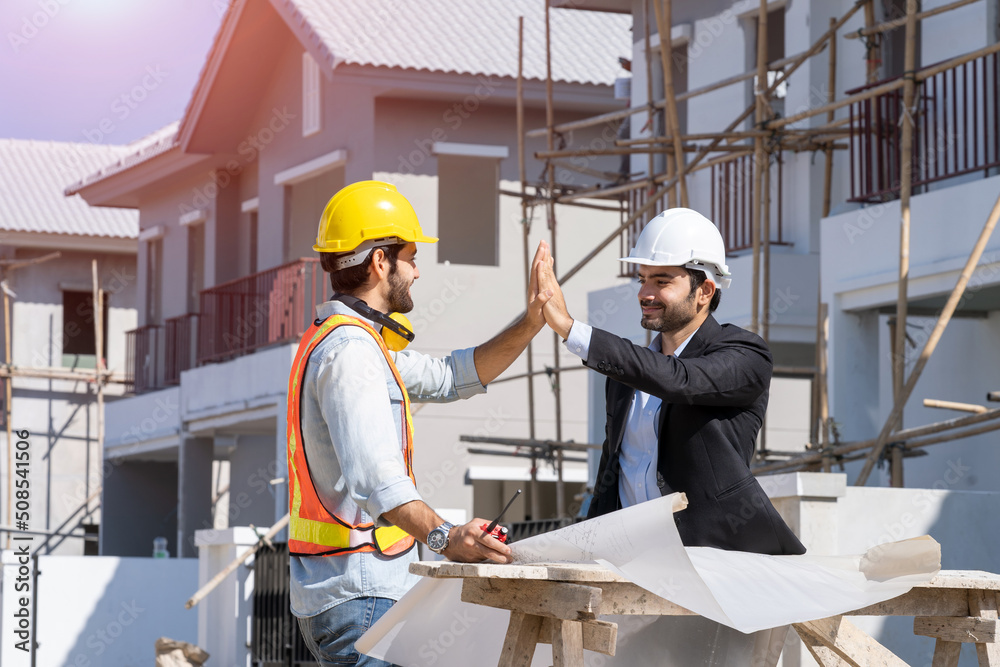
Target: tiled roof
33,175
129,156
465,36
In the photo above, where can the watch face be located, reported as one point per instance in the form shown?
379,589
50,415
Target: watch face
437,539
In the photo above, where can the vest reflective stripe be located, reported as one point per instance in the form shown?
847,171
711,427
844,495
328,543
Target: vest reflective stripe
313,530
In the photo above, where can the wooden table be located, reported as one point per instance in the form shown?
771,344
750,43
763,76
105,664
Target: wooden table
558,604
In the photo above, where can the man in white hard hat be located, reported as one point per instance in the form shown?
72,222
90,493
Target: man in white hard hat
684,413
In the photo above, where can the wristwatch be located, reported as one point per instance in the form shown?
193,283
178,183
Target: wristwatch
437,539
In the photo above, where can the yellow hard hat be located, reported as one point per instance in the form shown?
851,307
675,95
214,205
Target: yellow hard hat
371,211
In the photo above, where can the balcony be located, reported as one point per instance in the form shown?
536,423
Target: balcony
956,131
235,319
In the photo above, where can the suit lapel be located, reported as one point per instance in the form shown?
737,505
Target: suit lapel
622,402
707,332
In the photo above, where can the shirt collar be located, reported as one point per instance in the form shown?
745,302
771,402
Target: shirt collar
656,347
328,308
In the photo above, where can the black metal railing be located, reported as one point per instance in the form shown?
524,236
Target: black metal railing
275,638
180,346
956,125
142,356
255,311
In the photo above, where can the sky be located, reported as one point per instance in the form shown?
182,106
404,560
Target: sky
100,71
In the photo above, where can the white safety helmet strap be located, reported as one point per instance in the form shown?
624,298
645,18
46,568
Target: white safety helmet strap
360,254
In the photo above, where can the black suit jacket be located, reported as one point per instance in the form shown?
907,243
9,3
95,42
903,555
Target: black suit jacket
714,396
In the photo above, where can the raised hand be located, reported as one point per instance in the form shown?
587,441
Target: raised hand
536,297
555,312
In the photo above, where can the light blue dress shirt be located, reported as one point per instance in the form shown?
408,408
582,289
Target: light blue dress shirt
352,431
640,451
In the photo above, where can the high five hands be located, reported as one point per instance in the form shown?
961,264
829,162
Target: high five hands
543,282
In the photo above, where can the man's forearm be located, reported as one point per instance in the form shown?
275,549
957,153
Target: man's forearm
415,517
495,355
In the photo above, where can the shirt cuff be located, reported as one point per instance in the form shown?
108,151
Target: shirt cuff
579,339
467,382
390,495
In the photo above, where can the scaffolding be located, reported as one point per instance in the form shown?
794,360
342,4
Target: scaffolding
99,377
769,135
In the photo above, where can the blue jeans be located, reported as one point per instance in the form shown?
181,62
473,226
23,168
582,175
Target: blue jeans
330,635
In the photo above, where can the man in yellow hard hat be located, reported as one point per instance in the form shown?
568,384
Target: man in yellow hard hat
355,513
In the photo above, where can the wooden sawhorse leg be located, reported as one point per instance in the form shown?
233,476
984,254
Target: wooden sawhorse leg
980,627
519,644
836,642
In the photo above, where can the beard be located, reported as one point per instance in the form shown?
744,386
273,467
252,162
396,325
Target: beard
399,299
671,318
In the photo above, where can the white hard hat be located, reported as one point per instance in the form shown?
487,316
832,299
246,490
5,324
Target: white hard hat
682,237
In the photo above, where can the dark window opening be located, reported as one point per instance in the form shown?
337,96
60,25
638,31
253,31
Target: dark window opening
79,343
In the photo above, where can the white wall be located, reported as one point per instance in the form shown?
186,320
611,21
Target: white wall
103,611
859,270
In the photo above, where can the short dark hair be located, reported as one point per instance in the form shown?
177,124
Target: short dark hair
353,278
697,278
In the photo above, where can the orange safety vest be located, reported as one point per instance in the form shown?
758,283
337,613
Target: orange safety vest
313,530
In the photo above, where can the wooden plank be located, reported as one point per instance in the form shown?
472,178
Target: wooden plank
572,572
598,636
628,599
969,630
567,644
552,599
984,604
965,579
849,643
519,644
946,654
920,602
820,653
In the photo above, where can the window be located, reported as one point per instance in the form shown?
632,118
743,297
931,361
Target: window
154,269
196,266
679,74
252,237
775,51
894,41
469,203
310,95
79,346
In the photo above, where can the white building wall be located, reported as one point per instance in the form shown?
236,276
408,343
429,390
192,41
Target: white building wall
859,275
90,611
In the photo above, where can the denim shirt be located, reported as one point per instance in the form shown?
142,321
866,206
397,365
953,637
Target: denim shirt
352,432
